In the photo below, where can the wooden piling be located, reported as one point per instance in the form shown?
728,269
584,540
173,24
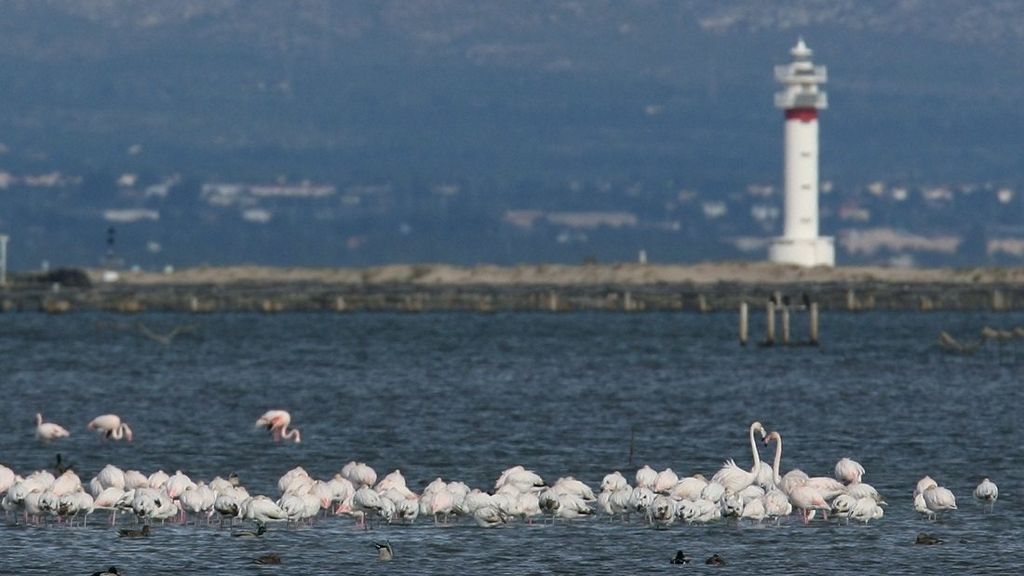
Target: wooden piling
814,324
851,300
998,300
770,325
552,301
485,303
130,306
270,306
56,306
627,301
785,324
702,303
744,318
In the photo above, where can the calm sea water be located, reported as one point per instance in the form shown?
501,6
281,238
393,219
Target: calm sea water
464,396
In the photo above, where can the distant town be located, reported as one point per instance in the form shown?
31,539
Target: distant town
153,221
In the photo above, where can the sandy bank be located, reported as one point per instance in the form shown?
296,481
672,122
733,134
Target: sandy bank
565,275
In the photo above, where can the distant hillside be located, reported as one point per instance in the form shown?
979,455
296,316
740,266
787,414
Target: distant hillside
518,105
454,89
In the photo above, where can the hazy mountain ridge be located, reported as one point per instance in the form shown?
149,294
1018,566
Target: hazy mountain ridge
560,106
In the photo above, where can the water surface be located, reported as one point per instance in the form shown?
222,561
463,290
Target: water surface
464,396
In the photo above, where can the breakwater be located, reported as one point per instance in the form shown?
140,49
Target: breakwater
618,288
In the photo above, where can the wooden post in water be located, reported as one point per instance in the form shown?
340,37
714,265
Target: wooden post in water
702,303
998,300
814,323
627,301
552,301
785,324
851,300
744,317
770,324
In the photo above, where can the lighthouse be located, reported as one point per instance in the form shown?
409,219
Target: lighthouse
800,99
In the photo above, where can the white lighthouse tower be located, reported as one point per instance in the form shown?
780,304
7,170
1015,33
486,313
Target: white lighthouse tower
801,99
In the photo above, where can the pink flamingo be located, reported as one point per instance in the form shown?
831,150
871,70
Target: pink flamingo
277,422
111,426
47,431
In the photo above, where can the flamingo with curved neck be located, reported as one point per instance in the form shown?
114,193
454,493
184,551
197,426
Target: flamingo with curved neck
111,426
773,435
734,478
277,422
802,495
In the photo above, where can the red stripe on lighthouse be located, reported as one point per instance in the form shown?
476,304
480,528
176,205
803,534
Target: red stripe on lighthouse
802,114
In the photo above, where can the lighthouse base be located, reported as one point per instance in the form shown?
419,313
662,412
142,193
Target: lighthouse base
820,251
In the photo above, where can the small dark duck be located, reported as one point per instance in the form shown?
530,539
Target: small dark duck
715,560
680,558
261,529
384,551
112,571
132,533
268,559
926,539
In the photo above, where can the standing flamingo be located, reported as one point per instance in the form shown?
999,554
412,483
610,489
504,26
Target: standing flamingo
111,426
277,422
734,478
987,491
47,431
938,499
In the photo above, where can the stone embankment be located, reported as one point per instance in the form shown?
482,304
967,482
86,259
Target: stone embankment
556,288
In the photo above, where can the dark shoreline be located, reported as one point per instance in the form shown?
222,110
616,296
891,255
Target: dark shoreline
268,293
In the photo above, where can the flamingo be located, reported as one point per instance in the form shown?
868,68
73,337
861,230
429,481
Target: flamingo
570,485
924,484
47,431
71,505
734,478
866,509
613,482
807,499
689,488
667,479
778,457
488,516
527,506
520,478
261,510
359,474
777,502
134,479
111,426
570,506
662,511
365,500
754,510
862,490
849,471
938,499
277,422
987,491
646,477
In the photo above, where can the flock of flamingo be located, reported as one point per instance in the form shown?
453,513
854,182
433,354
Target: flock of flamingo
658,498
